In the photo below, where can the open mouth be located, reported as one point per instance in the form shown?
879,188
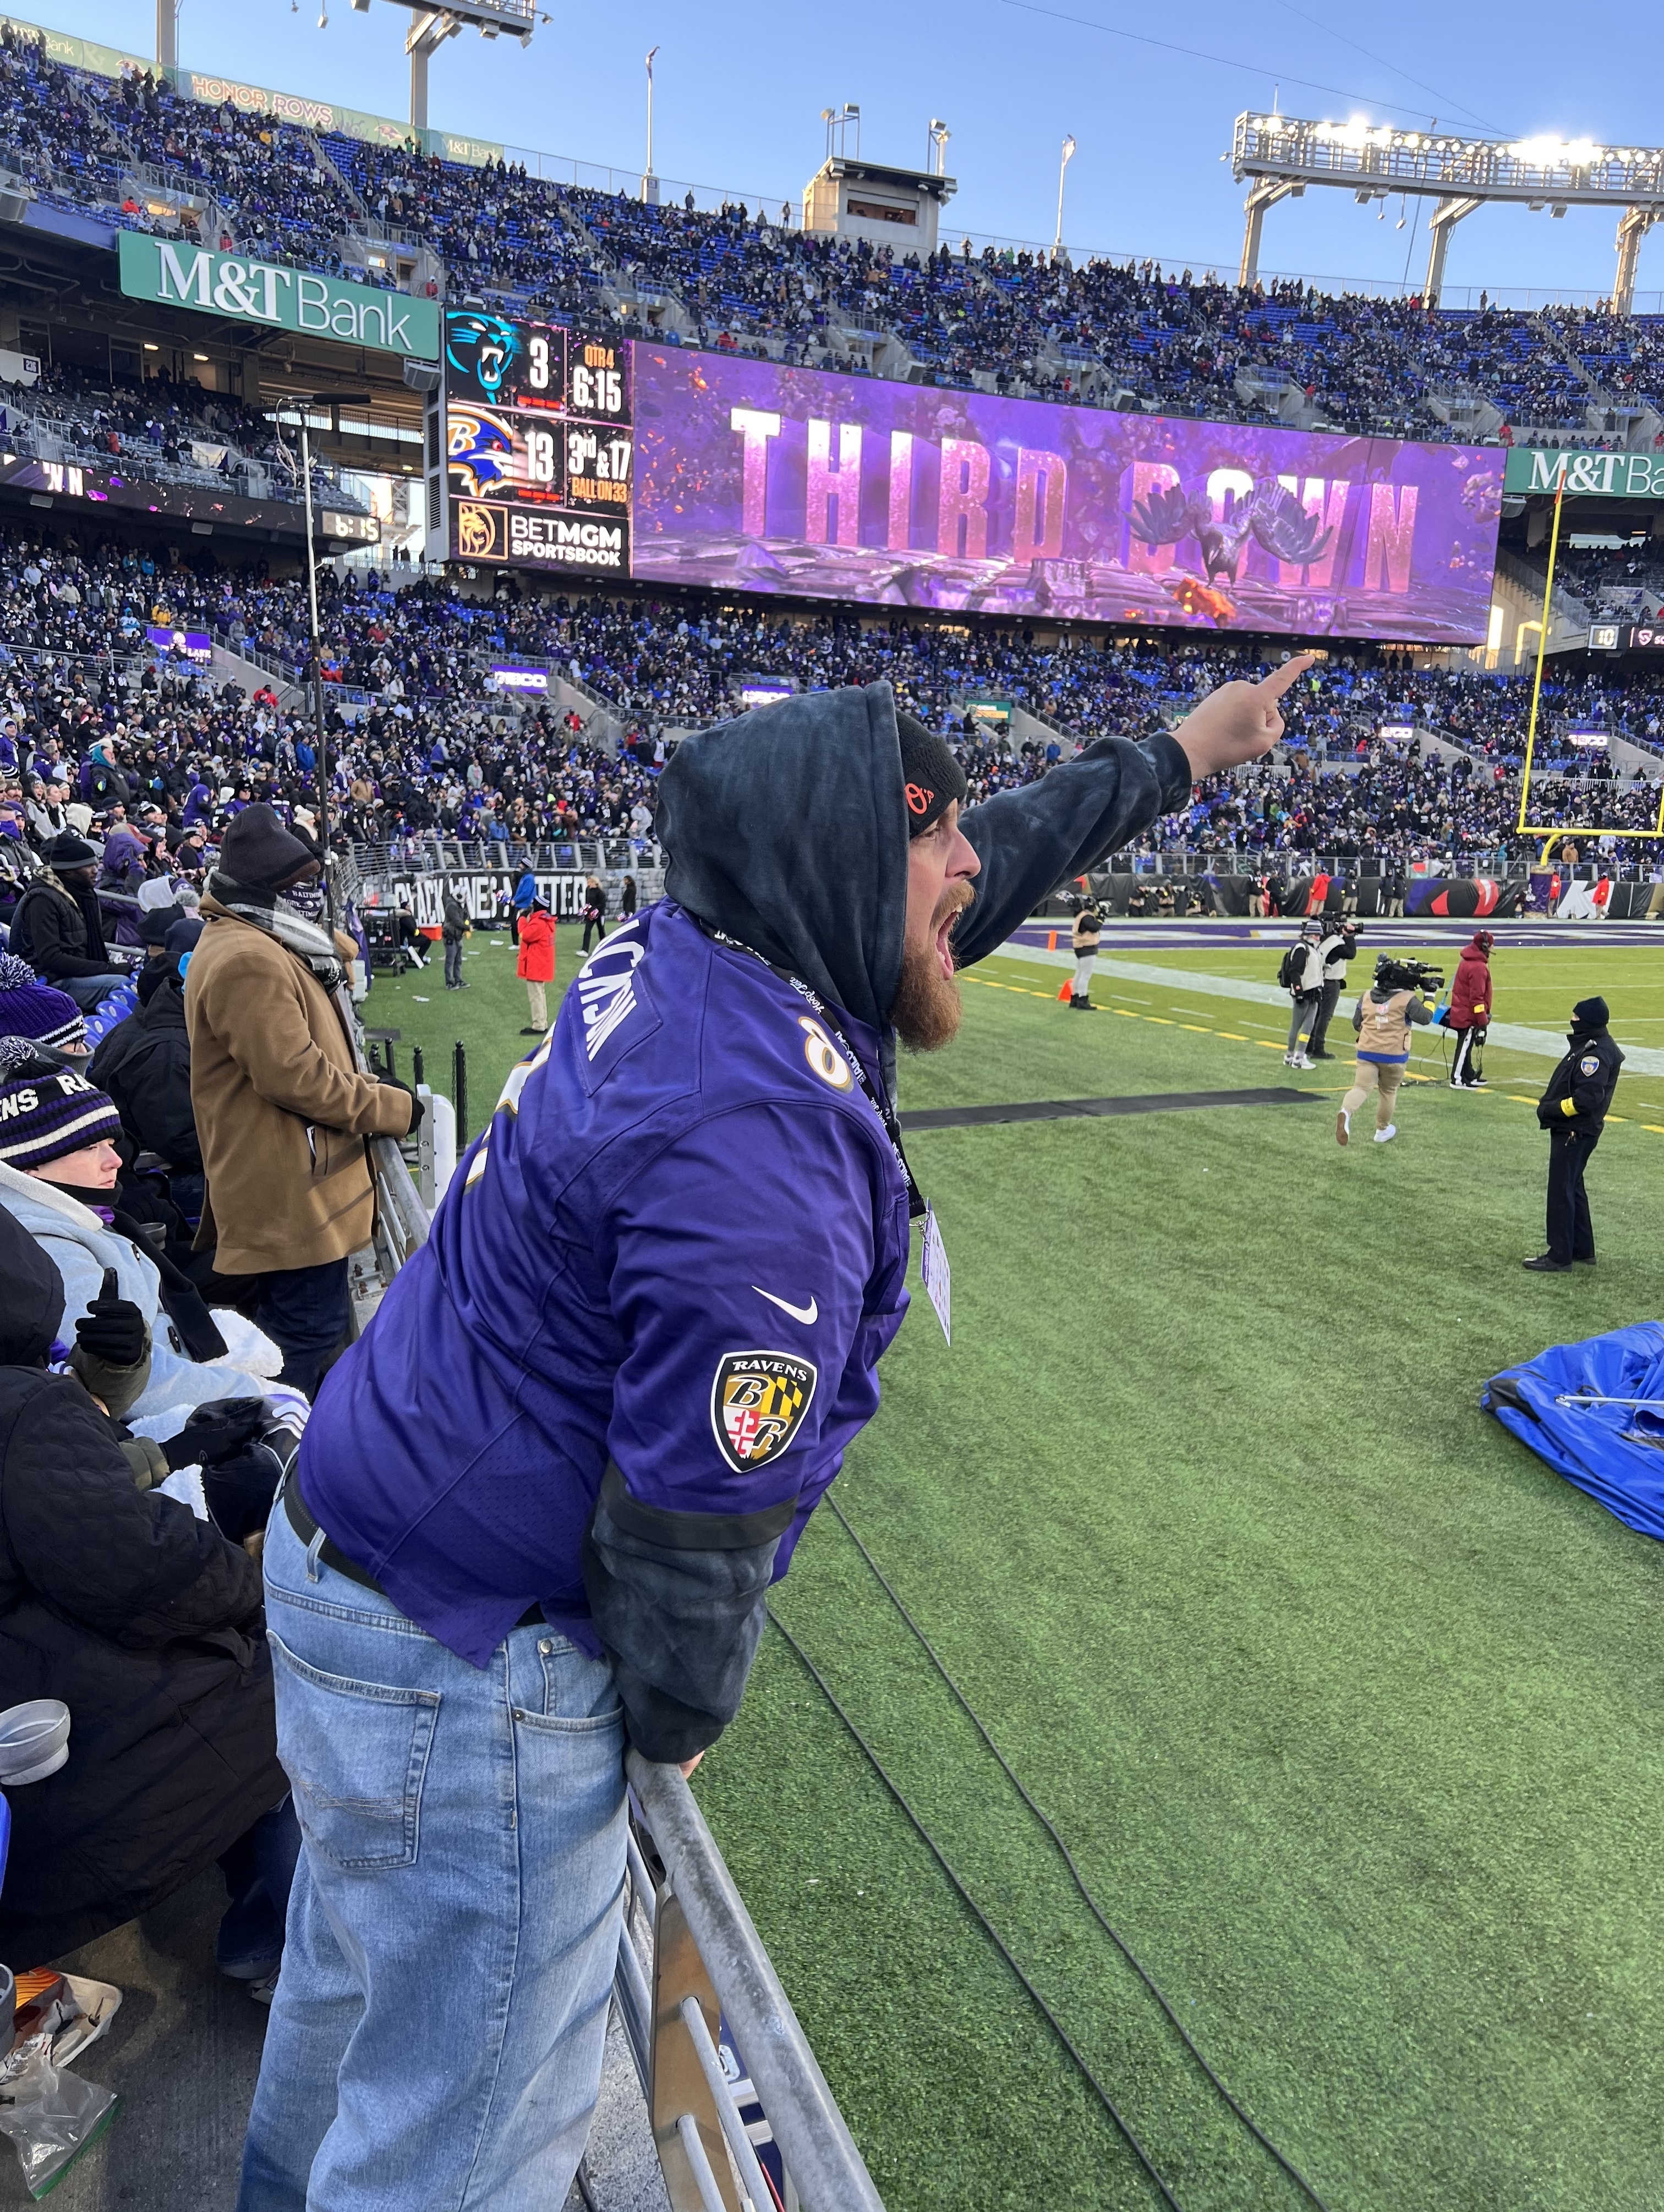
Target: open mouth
945,946
947,923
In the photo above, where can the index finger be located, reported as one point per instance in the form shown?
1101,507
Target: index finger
106,1288
1274,686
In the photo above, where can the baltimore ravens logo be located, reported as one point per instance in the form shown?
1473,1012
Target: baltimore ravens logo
481,450
757,1402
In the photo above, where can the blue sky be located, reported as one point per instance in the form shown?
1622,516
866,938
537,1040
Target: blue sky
740,90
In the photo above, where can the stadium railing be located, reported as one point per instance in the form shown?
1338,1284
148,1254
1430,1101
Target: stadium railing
702,2011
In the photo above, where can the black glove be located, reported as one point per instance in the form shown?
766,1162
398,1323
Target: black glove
239,1492
112,1328
391,1083
216,1431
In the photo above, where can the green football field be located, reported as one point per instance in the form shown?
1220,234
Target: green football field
1347,1707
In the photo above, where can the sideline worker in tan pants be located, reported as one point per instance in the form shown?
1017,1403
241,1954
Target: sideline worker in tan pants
1383,1018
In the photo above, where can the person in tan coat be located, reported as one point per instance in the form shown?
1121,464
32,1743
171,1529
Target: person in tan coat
281,1109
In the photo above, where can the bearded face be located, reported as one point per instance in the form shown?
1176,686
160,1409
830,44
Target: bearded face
927,1008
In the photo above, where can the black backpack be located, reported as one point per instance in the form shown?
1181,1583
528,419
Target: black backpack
1293,967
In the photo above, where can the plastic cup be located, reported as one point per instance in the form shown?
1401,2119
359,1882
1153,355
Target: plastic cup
34,1741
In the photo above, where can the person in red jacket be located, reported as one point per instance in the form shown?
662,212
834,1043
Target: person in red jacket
1470,1011
536,964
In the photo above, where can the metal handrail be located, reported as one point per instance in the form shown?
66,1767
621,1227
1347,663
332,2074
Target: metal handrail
815,2143
402,1218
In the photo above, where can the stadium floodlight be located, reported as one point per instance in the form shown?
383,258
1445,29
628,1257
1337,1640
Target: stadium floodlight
650,182
1281,155
431,26
1063,170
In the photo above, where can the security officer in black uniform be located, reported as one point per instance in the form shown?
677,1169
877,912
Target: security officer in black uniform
1573,1110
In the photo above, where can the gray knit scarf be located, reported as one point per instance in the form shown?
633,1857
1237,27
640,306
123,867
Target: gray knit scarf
275,915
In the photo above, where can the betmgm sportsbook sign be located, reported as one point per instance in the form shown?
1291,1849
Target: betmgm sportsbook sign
1590,476
233,288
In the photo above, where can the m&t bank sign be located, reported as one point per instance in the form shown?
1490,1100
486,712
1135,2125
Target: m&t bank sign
1601,476
231,286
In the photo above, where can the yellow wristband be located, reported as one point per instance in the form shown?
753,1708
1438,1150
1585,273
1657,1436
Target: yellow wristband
1567,1107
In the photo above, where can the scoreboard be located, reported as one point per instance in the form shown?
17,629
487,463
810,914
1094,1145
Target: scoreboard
537,444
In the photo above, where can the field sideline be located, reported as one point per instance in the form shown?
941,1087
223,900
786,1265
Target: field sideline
1346,1706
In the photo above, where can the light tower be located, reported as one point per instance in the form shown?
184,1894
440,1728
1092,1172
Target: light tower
431,26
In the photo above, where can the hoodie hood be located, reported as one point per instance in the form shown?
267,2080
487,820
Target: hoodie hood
787,829
32,1312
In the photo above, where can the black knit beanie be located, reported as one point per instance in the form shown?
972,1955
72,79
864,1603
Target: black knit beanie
932,778
258,851
1590,1014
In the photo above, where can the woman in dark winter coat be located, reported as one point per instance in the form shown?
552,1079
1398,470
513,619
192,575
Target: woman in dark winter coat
594,910
146,1623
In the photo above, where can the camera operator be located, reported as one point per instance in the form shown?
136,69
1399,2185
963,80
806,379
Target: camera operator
1573,1110
1383,1017
1339,943
1301,977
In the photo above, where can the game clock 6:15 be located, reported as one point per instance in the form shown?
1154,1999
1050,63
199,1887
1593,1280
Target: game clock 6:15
595,384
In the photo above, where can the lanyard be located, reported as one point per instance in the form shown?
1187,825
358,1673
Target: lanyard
879,1100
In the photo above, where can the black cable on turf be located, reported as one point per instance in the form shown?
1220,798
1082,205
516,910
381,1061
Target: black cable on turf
981,1919
1076,1876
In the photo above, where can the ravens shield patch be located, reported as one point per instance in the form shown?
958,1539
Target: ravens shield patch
757,1402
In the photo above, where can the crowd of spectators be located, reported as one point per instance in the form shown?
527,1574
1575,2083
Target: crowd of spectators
143,421
422,747
1105,332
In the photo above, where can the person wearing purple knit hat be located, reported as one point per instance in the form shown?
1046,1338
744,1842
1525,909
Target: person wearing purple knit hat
33,1010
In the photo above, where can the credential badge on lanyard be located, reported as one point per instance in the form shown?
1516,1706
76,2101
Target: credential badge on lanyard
938,1279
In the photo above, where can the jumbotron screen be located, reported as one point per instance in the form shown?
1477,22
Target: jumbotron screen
758,477
707,469
538,445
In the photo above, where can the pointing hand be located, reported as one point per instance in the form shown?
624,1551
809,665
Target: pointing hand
1239,721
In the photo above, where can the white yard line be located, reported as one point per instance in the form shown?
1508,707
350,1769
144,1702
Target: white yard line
1543,1044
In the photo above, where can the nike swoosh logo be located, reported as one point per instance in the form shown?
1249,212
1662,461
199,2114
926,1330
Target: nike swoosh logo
807,1315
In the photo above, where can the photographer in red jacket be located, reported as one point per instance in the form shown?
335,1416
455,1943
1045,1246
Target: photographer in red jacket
1470,1013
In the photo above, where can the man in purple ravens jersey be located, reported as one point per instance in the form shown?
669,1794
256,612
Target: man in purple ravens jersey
538,1505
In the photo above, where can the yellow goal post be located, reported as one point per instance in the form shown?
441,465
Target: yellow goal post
1558,830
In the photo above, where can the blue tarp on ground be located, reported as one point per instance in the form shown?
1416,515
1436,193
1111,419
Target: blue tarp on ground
1614,1452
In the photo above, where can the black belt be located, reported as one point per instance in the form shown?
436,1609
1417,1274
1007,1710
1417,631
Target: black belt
301,1521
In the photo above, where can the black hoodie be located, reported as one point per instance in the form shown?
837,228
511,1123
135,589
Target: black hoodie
787,828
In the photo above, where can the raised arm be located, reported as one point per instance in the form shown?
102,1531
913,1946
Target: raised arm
1033,838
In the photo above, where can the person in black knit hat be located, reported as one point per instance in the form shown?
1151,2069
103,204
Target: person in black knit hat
1573,1110
58,926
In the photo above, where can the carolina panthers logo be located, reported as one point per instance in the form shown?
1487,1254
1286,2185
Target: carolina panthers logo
481,450
483,347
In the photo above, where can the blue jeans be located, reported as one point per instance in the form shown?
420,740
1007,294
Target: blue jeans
88,990
438,2031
